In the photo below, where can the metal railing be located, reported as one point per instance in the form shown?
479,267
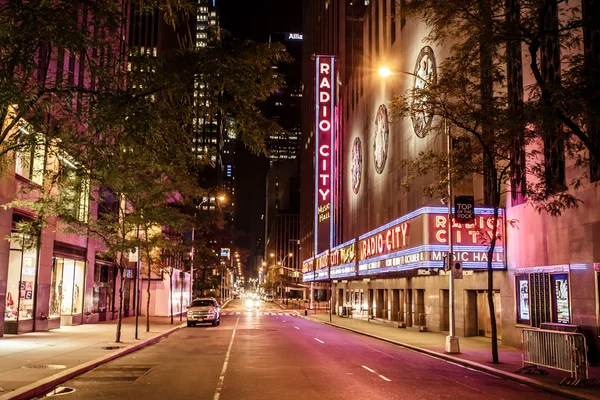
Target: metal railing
563,351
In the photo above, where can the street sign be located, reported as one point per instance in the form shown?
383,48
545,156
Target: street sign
225,252
457,271
464,209
133,255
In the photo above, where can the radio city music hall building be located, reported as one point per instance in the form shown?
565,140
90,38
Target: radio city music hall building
382,248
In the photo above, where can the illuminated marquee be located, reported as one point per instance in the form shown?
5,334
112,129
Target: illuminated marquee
420,240
342,260
324,127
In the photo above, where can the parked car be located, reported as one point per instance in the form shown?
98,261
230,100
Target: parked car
269,297
204,310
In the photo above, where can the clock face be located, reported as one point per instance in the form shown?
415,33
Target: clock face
356,171
425,74
382,138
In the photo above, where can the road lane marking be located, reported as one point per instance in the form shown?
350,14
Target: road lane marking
284,320
224,369
320,341
379,375
296,327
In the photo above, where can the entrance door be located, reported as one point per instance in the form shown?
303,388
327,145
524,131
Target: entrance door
484,327
445,310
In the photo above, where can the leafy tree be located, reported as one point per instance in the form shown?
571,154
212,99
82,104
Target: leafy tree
477,95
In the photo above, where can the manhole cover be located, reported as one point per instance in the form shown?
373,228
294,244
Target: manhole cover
113,347
47,366
59,391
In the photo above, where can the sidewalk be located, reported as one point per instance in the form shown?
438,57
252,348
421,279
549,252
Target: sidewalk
475,353
34,362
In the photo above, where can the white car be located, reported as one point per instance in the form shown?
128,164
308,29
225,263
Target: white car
204,310
252,303
269,297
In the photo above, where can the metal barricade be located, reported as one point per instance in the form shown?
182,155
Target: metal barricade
563,351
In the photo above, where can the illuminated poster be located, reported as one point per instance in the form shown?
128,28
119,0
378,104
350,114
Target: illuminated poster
324,128
561,299
523,300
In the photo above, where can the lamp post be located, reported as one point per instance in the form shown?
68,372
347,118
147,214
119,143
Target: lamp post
452,342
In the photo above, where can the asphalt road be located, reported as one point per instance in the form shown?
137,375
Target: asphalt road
269,354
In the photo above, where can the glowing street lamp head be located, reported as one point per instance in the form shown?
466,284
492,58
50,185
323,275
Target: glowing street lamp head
272,254
291,254
384,72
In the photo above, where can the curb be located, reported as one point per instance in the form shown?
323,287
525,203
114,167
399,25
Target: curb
465,363
43,385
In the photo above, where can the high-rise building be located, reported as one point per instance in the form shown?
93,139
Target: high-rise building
285,104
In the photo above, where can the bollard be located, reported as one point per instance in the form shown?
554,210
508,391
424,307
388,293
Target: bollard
305,312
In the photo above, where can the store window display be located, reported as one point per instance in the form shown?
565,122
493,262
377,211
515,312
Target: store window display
22,270
66,297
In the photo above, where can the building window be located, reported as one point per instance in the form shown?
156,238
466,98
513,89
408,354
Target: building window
20,286
393,13
74,191
29,160
66,292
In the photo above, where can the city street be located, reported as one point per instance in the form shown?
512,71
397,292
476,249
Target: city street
272,353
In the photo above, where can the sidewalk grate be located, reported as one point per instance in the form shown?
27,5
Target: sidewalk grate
108,378
116,373
40,366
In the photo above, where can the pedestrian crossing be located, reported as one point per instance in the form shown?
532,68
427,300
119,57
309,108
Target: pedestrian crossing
286,313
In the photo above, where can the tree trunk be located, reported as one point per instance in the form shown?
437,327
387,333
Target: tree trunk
120,314
491,194
490,296
148,286
148,303
203,280
171,293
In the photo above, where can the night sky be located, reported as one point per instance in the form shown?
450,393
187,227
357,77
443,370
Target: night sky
255,20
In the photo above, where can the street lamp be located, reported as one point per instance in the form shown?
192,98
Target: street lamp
452,342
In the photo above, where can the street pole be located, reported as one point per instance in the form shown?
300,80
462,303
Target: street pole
452,344
330,294
192,280
137,284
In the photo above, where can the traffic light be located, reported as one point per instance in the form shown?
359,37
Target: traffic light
457,270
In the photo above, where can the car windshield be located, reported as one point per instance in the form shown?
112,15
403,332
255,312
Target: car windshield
202,303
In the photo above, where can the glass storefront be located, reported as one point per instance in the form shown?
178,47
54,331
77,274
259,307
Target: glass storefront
66,293
20,293
104,289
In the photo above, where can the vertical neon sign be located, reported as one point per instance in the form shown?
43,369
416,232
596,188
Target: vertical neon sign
324,128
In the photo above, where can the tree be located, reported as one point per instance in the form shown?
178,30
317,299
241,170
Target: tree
478,96
131,145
